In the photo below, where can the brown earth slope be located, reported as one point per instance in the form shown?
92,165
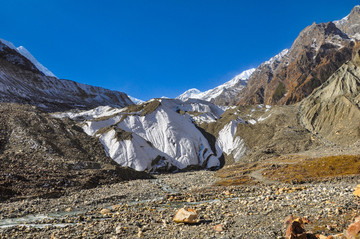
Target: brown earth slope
41,156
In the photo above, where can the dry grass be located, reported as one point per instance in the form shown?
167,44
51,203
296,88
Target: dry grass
146,108
236,174
316,169
241,180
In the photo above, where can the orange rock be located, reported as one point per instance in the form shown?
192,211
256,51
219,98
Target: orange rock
357,191
186,216
295,229
353,230
322,237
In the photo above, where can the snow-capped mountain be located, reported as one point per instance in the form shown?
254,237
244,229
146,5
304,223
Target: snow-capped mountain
191,93
23,51
24,80
350,24
161,134
318,51
221,94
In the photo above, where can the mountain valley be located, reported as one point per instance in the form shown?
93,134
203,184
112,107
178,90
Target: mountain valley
80,161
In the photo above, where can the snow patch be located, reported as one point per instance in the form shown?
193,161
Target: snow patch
277,58
160,140
135,100
228,144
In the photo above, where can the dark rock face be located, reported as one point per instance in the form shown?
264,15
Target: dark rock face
316,54
21,82
45,157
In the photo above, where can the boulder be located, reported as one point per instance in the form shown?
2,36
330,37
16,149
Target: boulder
295,229
186,216
353,231
357,191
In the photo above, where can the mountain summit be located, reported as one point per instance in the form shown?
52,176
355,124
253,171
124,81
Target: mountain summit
318,51
350,23
223,94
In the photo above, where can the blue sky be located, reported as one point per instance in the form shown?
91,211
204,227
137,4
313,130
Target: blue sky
154,48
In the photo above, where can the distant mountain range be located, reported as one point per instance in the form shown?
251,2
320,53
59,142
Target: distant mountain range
221,94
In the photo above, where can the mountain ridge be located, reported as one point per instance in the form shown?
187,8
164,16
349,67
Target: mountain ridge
317,52
23,82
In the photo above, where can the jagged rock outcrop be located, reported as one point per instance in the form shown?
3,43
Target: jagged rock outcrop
333,110
22,82
289,77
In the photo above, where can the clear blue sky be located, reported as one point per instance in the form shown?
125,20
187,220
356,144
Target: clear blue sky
158,48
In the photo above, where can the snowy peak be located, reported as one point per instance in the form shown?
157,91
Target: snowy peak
239,79
276,59
136,100
23,51
192,93
351,23
245,74
222,94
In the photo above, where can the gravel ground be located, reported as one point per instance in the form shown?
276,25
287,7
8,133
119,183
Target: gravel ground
145,208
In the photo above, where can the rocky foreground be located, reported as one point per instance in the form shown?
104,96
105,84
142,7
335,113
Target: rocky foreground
145,209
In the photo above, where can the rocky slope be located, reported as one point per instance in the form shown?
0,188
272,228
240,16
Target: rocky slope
23,80
46,157
222,94
332,110
317,53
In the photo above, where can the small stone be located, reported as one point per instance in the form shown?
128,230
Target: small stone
116,207
227,193
68,209
140,233
219,228
118,230
105,211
